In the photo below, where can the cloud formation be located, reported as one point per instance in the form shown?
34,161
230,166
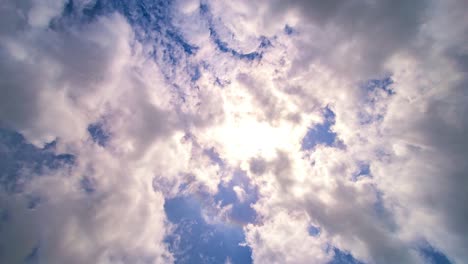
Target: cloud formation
341,117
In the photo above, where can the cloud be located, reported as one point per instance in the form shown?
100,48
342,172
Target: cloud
427,151
59,76
411,138
50,75
71,224
285,238
154,100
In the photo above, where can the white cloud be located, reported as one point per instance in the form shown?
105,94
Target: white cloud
55,82
70,225
285,238
414,144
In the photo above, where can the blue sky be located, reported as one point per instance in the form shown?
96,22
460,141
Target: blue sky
199,131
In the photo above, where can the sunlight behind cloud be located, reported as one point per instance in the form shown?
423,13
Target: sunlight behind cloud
207,131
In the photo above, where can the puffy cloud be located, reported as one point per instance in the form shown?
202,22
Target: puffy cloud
59,75
411,136
390,72
426,152
53,80
285,238
82,224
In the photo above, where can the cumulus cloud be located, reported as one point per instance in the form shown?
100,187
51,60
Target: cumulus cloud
59,75
285,237
411,136
96,224
190,92
50,75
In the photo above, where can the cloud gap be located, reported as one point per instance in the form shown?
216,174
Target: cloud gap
321,134
195,241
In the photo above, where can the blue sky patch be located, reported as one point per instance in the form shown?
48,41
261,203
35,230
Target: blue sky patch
189,49
224,46
321,133
288,30
195,74
195,241
363,171
343,257
313,230
99,134
372,94
432,255
214,156
265,42
384,84
18,154
241,212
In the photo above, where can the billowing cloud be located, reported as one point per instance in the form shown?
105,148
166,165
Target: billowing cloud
286,132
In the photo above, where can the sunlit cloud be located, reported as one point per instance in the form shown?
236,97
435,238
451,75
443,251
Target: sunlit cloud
207,131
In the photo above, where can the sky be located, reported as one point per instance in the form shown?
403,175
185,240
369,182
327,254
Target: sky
209,131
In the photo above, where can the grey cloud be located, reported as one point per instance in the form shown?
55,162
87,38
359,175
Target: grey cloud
258,166
271,106
368,31
351,222
280,167
436,164
417,148
143,123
